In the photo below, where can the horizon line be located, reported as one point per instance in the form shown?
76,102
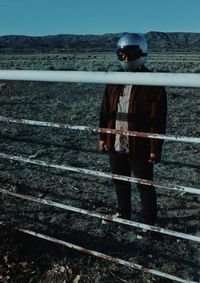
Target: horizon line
91,34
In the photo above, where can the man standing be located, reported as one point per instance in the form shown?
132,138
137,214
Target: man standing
134,108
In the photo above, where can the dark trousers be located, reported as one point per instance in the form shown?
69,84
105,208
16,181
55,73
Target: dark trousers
122,164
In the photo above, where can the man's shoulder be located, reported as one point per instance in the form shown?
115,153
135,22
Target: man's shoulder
113,87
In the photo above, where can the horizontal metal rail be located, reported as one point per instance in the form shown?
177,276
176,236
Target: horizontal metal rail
103,216
138,78
101,130
104,256
102,174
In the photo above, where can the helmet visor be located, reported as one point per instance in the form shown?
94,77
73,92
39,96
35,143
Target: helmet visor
131,52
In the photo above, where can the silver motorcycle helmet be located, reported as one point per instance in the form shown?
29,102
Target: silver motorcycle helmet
133,47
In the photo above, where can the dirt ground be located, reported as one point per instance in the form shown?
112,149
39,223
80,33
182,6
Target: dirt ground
25,258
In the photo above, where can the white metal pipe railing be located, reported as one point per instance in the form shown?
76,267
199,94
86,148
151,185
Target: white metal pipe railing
182,189
103,216
103,256
162,79
101,130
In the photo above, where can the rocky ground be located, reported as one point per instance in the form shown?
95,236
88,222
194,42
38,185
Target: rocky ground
25,258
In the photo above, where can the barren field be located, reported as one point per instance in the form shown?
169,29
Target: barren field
26,259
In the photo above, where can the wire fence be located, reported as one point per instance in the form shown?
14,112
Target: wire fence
184,80
102,216
179,188
101,130
104,256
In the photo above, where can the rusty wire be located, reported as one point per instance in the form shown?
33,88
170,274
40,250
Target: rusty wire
102,130
104,256
103,216
179,188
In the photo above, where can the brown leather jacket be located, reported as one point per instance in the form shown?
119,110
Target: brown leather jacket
147,113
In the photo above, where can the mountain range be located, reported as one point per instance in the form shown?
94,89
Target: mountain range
157,42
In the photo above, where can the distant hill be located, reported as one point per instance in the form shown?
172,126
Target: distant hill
157,41
174,41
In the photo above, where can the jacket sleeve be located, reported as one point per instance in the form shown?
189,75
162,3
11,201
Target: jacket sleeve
103,118
158,119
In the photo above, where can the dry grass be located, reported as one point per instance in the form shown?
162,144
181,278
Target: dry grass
79,104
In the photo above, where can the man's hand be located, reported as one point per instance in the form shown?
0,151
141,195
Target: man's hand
154,158
103,147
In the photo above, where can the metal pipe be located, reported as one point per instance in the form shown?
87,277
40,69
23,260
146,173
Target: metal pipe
103,256
161,79
103,216
101,130
102,174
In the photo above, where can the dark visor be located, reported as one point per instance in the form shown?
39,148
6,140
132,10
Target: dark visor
132,52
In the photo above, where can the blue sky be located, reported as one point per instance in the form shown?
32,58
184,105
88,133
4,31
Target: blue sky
46,17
